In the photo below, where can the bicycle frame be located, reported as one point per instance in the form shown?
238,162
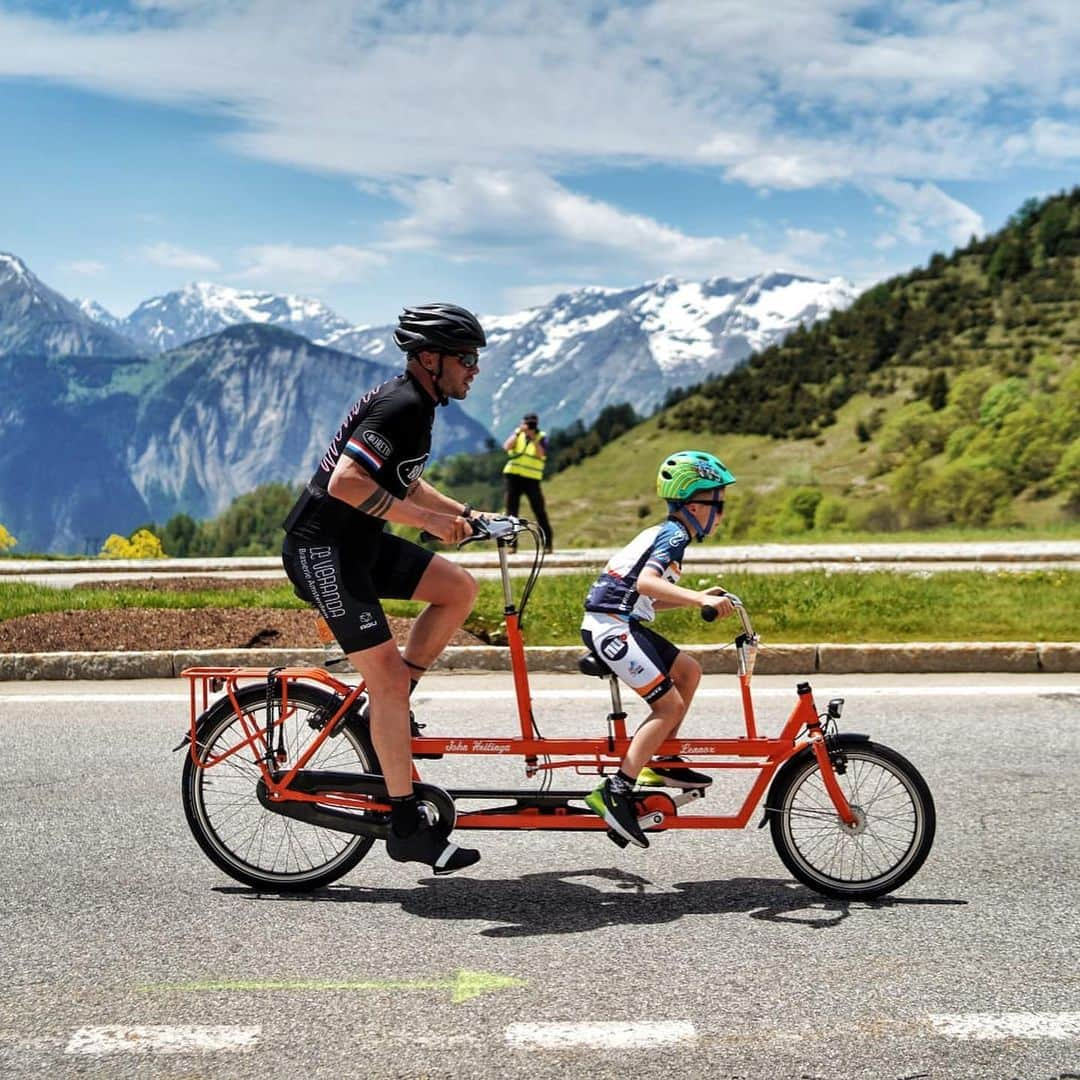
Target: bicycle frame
531,808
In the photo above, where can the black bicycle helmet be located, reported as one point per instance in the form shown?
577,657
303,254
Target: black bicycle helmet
439,327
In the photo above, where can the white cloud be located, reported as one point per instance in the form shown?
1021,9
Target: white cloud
465,111
178,258
308,265
805,243
1048,140
789,94
521,297
484,213
86,266
922,207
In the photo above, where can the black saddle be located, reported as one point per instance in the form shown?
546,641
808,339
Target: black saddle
591,664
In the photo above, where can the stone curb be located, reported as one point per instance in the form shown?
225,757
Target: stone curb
1018,657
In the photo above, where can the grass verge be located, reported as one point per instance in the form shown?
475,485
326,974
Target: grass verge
809,607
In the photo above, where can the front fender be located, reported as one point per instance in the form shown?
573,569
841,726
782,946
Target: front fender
836,745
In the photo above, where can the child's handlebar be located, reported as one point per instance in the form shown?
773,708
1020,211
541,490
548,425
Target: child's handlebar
709,613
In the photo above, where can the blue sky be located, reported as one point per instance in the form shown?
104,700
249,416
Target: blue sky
495,152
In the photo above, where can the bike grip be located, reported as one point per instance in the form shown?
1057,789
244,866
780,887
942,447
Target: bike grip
708,613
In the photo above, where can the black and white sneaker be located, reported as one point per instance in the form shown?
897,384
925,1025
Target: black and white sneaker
619,812
430,845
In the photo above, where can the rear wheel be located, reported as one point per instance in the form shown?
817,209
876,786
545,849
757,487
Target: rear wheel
241,837
886,845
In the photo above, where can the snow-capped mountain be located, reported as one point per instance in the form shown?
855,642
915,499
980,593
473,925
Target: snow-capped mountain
93,310
567,359
595,347
38,321
166,322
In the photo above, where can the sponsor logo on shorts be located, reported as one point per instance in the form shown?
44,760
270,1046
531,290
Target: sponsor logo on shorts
320,573
635,667
614,647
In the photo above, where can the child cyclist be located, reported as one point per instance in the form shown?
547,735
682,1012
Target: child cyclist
640,579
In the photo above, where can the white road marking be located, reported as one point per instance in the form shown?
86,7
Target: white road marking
599,1034
1015,1025
161,1039
590,694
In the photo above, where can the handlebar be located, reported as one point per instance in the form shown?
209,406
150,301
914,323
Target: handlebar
501,527
709,613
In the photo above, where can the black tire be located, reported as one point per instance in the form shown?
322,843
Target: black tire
888,844
238,834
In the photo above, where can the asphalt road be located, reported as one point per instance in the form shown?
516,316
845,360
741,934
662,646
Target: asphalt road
568,956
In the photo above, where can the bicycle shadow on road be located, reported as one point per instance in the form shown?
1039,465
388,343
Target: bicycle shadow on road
581,901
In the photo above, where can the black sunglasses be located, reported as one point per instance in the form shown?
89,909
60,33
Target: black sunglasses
718,503
467,360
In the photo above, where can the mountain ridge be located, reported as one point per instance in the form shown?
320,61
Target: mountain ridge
35,319
107,444
666,334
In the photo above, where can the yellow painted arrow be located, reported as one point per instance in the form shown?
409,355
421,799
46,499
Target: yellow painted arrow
463,985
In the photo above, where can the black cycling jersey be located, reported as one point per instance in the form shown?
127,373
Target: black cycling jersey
388,433
337,557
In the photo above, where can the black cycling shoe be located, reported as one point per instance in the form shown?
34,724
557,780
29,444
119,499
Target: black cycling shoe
429,844
619,811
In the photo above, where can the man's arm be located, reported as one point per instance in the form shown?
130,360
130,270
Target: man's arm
423,495
352,484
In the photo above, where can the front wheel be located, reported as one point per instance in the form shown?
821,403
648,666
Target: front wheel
886,845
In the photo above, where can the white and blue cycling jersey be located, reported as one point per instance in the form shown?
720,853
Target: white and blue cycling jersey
660,547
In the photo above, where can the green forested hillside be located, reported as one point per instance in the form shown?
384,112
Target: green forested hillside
948,397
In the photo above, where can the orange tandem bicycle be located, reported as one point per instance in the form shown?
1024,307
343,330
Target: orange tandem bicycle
281,784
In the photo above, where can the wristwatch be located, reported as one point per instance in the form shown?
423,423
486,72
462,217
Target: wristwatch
466,511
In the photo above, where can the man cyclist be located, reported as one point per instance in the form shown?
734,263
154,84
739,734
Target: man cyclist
640,579
340,557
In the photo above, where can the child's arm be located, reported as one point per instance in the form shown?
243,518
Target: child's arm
666,594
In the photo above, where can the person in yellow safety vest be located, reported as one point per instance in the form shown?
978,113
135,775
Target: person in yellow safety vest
527,447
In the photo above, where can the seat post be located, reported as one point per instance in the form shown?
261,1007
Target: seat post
616,718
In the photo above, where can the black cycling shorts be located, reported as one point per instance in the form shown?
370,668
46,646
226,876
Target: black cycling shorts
345,581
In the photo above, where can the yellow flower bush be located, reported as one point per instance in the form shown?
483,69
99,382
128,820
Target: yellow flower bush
143,544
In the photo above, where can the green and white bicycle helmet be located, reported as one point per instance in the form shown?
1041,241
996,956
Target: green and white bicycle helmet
689,471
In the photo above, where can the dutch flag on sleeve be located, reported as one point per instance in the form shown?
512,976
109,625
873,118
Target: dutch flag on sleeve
364,453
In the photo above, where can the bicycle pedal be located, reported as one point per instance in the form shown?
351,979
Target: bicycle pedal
651,820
